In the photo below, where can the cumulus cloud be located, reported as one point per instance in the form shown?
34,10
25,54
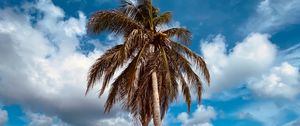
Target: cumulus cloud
3,117
254,62
41,69
282,81
272,15
201,117
249,58
256,65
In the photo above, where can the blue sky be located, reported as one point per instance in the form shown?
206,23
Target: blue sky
251,47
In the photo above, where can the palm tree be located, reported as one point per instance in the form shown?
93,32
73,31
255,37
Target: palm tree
156,61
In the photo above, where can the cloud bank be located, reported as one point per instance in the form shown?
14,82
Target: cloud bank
282,81
249,58
44,69
252,62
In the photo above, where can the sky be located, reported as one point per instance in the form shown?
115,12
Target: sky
252,48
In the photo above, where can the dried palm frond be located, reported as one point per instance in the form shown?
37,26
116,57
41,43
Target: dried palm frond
194,57
184,67
99,67
113,21
163,18
183,35
185,91
123,84
129,8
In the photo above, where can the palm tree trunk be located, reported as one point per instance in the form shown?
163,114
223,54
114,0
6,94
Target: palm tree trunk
156,106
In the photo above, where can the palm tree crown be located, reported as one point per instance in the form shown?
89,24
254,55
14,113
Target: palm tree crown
145,50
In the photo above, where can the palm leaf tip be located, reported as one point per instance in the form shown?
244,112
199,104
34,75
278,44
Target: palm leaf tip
163,18
91,79
200,63
128,7
186,92
182,34
113,21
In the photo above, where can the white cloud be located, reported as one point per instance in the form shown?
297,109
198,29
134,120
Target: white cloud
271,112
272,15
43,120
255,64
3,117
121,120
47,6
267,113
42,71
249,58
201,117
252,62
282,81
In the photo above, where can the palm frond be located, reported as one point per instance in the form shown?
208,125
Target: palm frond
99,67
186,92
163,18
134,41
167,98
164,82
183,35
183,66
194,57
122,85
129,8
141,101
113,21
165,68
